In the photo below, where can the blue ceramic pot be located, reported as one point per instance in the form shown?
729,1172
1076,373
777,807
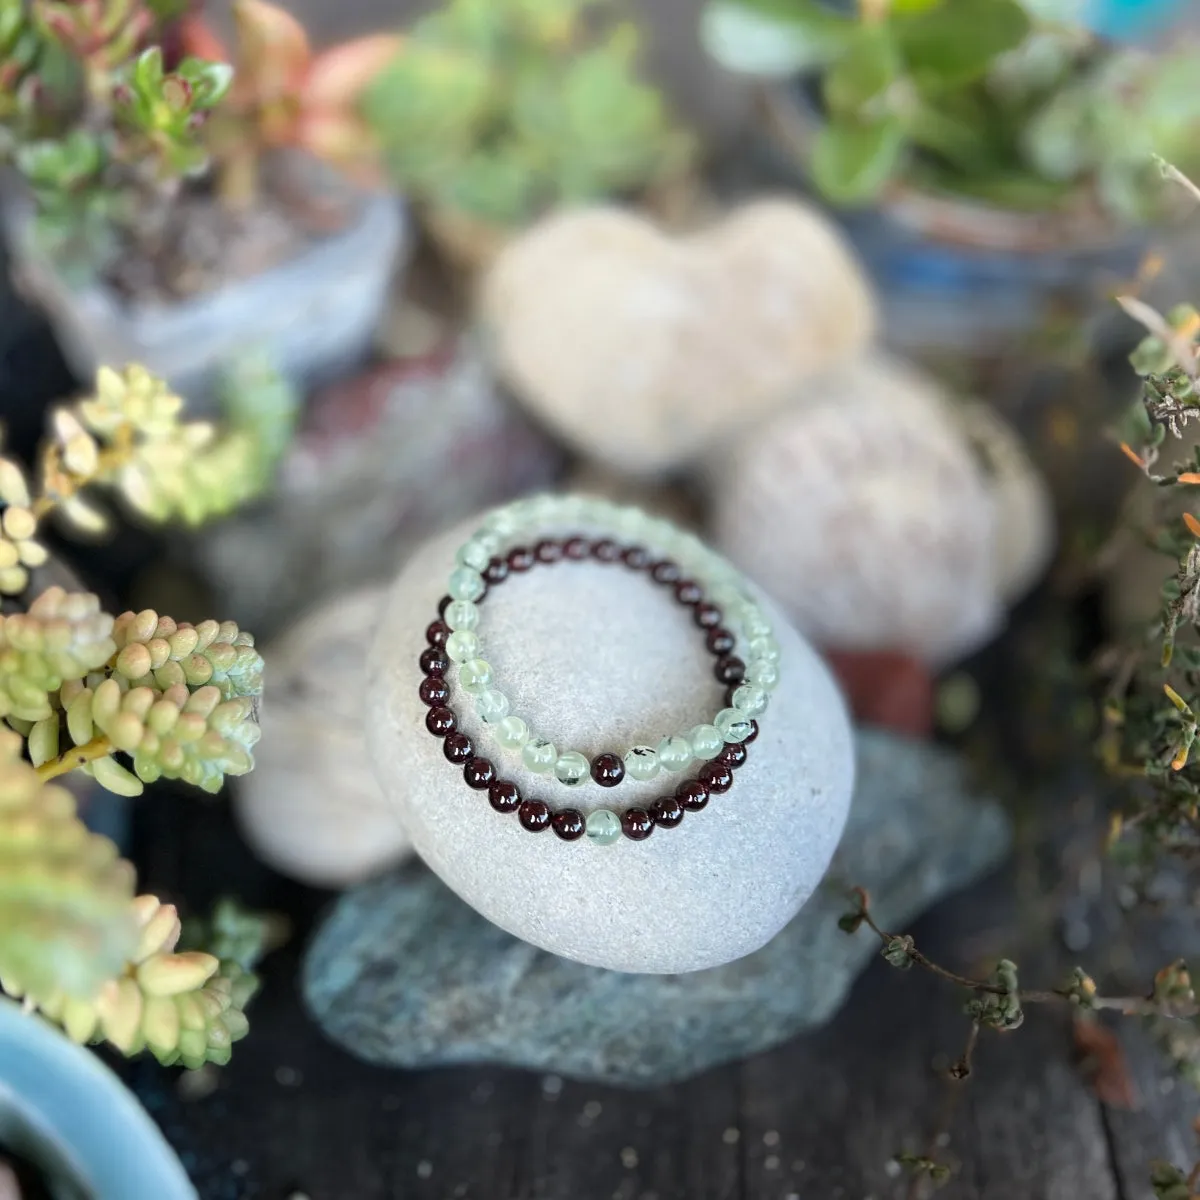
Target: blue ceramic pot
64,1111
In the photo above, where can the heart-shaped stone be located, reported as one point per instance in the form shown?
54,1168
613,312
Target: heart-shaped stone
643,350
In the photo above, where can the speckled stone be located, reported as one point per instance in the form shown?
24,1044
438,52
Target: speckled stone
381,986
597,657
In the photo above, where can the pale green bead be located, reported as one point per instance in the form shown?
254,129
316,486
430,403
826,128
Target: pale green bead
764,647
477,553
503,522
596,508
750,699
754,624
461,645
539,755
492,705
641,763
571,768
462,614
474,675
706,742
603,827
674,753
466,584
512,733
763,673
734,724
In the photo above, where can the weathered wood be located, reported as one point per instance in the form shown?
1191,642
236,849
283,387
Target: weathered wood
816,1119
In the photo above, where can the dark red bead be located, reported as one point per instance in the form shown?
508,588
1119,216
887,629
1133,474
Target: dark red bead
437,633
752,734
636,558
606,550
666,571
730,669
576,548
434,690
733,687
441,721
733,756
434,661
707,616
443,604
534,815
521,558
637,824
688,591
504,796
720,640
667,811
479,773
569,824
549,550
496,571
692,794
608,770
716,776
458,748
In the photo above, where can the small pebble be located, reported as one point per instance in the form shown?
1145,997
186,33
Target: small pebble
771,1162
552,1085
629,1158
10,1189
731,1136
592,1109
892,1168
288,1077
424,1169
771,1137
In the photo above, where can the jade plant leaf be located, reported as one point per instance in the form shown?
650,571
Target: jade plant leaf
852,160
869,66
750,40
958,40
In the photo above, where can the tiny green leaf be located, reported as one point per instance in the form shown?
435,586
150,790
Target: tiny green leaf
148,71
852,162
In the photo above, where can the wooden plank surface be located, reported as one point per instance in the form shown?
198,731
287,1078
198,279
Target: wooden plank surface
816,1119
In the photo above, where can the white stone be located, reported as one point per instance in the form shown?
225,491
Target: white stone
714,889
642,350
865,512
311,807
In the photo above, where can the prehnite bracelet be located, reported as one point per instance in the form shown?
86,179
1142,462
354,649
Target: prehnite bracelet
701,580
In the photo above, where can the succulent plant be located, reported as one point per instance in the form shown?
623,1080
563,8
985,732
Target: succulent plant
284,94
1010,102
502,108
128,701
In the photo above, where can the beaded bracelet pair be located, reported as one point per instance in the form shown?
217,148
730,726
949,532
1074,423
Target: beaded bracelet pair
698,578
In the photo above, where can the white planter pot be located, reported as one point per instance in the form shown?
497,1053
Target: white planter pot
315,315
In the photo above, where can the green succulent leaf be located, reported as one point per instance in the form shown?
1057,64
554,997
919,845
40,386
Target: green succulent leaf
869,66
853,161
959,39
748,39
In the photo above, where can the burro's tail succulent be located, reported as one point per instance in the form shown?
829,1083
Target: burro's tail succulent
127,701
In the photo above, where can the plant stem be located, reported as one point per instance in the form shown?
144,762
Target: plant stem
78,756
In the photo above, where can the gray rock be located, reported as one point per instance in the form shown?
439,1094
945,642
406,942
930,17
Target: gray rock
403,973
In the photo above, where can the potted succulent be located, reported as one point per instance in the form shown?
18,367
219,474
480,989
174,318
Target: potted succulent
494,111
991,157
175,211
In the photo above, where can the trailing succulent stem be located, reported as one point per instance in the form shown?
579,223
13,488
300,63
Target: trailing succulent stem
126,700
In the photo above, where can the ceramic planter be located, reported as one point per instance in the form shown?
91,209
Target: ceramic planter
315,314
64,1111
956,274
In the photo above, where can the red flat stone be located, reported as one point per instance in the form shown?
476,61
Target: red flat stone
886,688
